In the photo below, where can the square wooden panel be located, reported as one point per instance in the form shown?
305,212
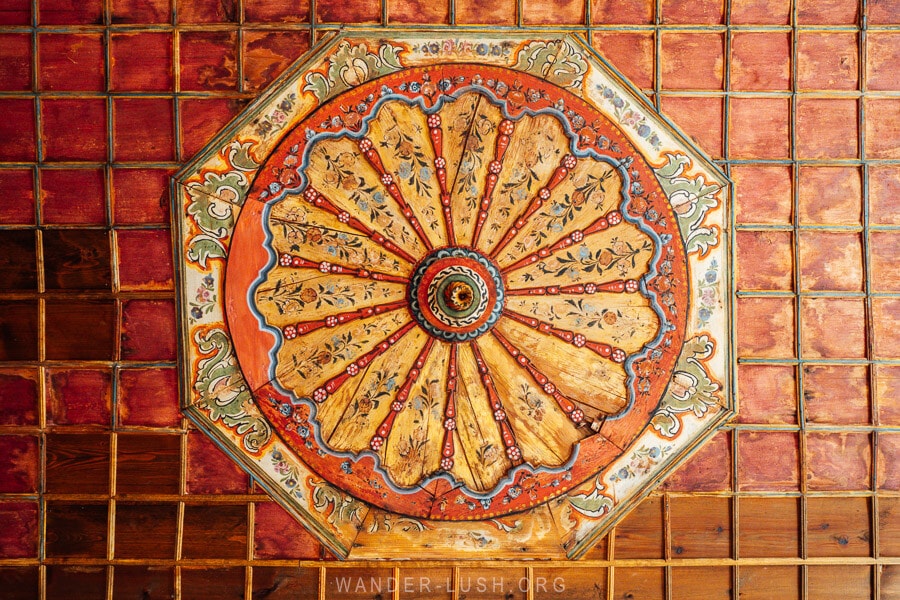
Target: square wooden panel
769,259
85,143
141,62
840,186
147,398
276,11
579,582
360,583
287,583
702,582
141,11
761,61
18,266
140,196
143,129
19,128
827,401
148,330
145,259
890,582
76,530
198,583
771,205
278,535
148,463
77,463
71,62
21,583
19,539
79,397
848,581
70,322
19,209
15,69
691,537
73,196
640,582
61,580
130,581
640,535
268,53
20,395
758,582
838,527
769,527
768,461
19,330
768,394
77,259
214,531
135,519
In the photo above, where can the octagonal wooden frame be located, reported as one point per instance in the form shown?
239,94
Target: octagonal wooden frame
208,195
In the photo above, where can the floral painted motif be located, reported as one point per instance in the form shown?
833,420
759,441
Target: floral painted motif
223,392
339,507
558,62
270,124
383,521
641,462
463,48
710,302
629,116
594,504
691,198
212,203
205,300
619,258
350,66
289,474
691,390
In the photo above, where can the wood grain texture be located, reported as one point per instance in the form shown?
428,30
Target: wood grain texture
769,511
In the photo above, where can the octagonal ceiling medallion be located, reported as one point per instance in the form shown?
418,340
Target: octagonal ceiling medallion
466,296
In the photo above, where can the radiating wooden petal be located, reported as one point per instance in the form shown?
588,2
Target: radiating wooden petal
292,295
299,228
625,321
579,373
589,190
400,133
413,450
338,171
620,252
481,446
535,149
471,126
349,420
306,363
543,431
